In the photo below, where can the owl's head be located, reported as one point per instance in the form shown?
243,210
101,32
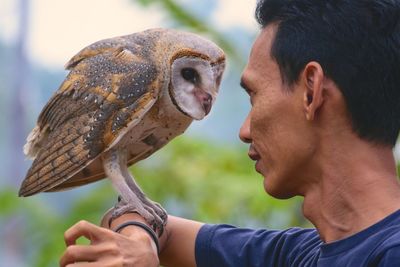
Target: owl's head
194,84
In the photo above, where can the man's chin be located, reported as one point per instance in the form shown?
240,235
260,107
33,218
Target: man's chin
272,185
257,167
275,190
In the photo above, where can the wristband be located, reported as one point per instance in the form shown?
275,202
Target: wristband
144,227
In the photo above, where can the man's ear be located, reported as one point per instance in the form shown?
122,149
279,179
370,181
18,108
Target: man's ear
312,79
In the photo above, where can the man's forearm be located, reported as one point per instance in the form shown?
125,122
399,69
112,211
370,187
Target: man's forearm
177,243
179,246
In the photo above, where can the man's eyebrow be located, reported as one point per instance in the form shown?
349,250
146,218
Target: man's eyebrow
245,86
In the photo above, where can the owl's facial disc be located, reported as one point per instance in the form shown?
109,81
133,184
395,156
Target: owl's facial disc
194,86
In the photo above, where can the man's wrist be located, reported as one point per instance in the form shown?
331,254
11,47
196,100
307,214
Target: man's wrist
132,230
143,226
139,234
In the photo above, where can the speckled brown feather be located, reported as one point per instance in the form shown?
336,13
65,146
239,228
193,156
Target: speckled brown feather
97,100
111,85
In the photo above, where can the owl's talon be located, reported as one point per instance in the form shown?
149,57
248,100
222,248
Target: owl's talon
159,218
151,212
130,208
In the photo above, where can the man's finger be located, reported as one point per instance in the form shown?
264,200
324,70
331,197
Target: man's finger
82,228
80,253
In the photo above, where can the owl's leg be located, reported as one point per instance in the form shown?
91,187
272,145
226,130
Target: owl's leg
115,166
150,205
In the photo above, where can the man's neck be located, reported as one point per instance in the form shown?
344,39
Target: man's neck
353,191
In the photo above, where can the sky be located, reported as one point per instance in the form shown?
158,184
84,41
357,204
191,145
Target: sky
59,29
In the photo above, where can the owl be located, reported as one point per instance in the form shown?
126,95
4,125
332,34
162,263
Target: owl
123,99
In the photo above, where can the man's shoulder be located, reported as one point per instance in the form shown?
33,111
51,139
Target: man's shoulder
390,256
370,247
388,232
226,245
390,240
229,231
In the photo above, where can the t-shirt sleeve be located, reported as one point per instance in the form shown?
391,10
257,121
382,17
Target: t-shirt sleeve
225,245
391,257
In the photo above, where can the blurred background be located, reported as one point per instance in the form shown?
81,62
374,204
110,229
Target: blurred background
204,175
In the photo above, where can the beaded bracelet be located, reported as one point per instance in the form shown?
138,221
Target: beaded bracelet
144,227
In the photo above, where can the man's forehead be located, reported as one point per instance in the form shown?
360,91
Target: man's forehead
262,44
261,67
260,51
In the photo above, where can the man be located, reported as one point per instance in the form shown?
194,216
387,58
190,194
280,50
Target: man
324,84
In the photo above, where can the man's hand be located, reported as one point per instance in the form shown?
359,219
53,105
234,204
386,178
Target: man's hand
132,248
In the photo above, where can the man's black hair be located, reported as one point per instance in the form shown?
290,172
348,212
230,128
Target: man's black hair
357,43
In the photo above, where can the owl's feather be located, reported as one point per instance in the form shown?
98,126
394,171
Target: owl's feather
58,159
113,85
103,104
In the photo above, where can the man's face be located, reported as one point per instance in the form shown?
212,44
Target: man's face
276,127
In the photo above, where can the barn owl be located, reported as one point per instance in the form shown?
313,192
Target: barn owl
123,99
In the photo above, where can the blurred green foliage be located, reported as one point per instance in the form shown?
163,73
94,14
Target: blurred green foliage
191,178
398,168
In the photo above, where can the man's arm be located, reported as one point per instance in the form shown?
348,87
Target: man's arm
177,244
133,246
179,249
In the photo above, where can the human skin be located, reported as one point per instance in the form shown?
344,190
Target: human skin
133,247
303,143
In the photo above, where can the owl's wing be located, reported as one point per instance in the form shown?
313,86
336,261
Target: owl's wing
103,95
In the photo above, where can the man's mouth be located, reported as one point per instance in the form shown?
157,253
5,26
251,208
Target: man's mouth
253,154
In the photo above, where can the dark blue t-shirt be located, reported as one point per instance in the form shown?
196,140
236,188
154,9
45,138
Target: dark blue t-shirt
225,245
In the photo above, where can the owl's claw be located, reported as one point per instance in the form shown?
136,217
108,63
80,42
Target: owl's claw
151,211
161,217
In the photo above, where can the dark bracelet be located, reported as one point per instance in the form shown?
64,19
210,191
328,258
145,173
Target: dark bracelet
144,227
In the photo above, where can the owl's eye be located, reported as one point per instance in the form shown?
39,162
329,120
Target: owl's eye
190,75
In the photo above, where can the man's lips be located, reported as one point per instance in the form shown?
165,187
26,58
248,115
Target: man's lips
253,154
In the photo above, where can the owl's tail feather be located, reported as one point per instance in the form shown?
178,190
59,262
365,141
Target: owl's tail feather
33,141
62,154
53,173
55,148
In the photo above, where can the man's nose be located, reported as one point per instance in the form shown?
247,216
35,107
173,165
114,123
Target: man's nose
244,133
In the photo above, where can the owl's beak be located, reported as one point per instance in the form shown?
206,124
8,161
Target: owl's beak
205,99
